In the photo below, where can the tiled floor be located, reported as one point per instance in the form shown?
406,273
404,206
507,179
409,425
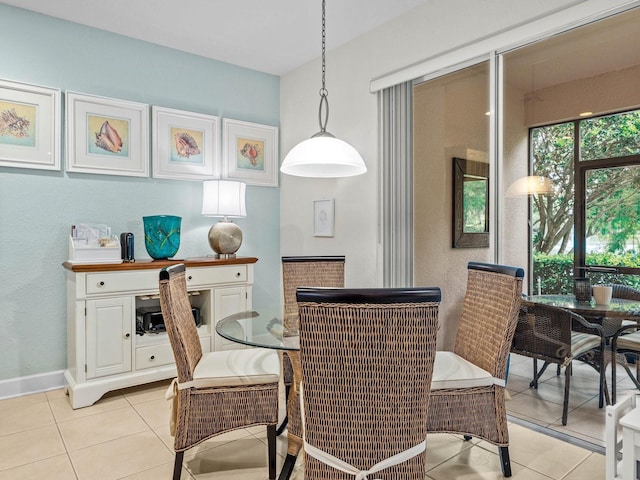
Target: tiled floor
125,436
543,406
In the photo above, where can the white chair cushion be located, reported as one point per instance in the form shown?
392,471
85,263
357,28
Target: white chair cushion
583,342
237,367
631,341
453,371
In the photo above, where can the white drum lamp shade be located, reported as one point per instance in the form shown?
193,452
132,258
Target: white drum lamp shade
226,199
323,157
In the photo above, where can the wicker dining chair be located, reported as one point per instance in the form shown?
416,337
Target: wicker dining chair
308,271
546,333
214,392
467,392
303,271
367,360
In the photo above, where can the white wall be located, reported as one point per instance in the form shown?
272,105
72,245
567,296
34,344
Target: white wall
426,32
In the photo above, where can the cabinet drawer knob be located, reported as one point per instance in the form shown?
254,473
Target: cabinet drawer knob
189,277
152,357
101,284
127,335
238,274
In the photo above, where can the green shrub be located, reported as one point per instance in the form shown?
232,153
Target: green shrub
556,271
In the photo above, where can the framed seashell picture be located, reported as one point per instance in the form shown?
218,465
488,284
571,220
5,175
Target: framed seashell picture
250,153
30,120
106,136
185,145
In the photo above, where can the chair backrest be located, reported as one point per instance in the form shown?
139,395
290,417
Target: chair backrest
543,332
367,361
308,271
178,320
489,315
625,292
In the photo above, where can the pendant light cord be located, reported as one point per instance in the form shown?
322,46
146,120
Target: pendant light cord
324,102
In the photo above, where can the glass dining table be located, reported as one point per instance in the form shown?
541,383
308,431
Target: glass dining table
619,308
609,316
264,328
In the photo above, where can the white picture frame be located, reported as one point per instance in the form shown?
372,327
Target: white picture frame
185,145
323,218
30,118
107,136
250,153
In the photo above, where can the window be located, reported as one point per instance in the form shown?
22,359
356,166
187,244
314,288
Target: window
592,222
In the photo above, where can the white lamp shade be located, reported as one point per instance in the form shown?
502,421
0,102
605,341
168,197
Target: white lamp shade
323,157
530,185
223,198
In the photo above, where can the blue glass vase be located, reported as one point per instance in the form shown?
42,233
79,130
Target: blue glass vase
162,235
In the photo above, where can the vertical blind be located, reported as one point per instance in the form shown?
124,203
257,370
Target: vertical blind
396,125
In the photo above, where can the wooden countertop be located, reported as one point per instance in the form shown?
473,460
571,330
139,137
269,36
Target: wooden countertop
148,264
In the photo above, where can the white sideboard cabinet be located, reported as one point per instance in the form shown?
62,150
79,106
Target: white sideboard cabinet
105,350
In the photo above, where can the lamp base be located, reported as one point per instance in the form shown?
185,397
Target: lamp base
225,239
225,256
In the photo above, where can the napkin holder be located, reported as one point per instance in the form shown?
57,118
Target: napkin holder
82,253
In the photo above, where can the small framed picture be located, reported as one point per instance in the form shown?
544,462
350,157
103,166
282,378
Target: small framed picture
323,218
29,126
250,153
107,136
185,144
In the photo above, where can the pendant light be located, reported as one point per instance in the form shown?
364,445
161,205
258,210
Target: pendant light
530,185
323,155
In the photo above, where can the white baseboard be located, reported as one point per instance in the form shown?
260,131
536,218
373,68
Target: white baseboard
16,387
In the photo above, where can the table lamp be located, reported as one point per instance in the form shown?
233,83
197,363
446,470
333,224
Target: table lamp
224,198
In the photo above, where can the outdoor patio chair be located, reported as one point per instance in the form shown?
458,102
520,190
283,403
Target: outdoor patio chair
626,340
546,333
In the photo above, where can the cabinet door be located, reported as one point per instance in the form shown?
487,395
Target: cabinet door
228,301
109,336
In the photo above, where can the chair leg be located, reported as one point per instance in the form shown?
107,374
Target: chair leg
271,447
625,365
613,381
177,465
282,426
285,421
536,374
565,404
603,383
505,463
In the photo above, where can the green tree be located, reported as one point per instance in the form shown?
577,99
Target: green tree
552,150
612,194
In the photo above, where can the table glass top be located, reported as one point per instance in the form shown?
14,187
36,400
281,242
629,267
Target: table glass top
259,328
617,308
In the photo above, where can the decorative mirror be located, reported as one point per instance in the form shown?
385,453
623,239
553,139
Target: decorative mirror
470,204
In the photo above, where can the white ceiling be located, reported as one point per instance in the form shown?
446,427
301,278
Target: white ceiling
272,36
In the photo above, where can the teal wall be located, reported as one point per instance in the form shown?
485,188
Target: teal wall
37,208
